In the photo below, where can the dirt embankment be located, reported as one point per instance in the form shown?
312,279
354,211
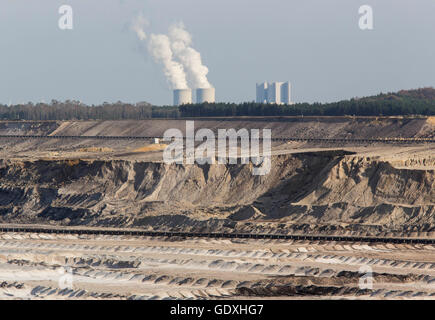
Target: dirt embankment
311,127
327,192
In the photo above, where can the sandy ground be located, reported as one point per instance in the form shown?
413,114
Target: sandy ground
417,156
309,127
42,266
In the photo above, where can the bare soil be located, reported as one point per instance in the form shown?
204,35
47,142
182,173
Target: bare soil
312,188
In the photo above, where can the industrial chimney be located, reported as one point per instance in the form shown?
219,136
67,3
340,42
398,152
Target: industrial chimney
205,95
182,96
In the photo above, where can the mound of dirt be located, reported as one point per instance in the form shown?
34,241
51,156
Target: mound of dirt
151,147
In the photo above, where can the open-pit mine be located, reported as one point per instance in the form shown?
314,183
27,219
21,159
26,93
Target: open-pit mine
347,211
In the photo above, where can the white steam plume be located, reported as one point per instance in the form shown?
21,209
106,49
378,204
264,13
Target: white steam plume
181,42
139,23
159,46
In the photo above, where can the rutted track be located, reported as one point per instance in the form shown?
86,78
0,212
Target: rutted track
278,139
132,267
213,235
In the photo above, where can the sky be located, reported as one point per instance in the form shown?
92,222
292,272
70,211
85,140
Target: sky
317,45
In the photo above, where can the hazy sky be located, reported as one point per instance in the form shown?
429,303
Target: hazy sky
315,44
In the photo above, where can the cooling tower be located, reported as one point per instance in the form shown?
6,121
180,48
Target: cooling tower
182,96
205,95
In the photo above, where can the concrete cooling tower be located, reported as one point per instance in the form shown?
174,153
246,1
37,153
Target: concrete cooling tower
205,95
182,96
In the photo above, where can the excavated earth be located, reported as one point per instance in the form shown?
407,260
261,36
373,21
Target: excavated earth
350,188
47,266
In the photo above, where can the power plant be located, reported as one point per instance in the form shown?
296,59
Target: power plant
274,92
182,96
182,64
267,92
205,95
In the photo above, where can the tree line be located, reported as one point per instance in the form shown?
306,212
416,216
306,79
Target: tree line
75,110
412,102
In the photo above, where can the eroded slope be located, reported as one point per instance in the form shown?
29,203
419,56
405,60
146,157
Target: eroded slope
331,191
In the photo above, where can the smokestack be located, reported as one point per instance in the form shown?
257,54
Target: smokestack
205,95
182,96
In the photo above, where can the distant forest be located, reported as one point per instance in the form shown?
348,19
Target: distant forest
405,102
412,102
75,110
